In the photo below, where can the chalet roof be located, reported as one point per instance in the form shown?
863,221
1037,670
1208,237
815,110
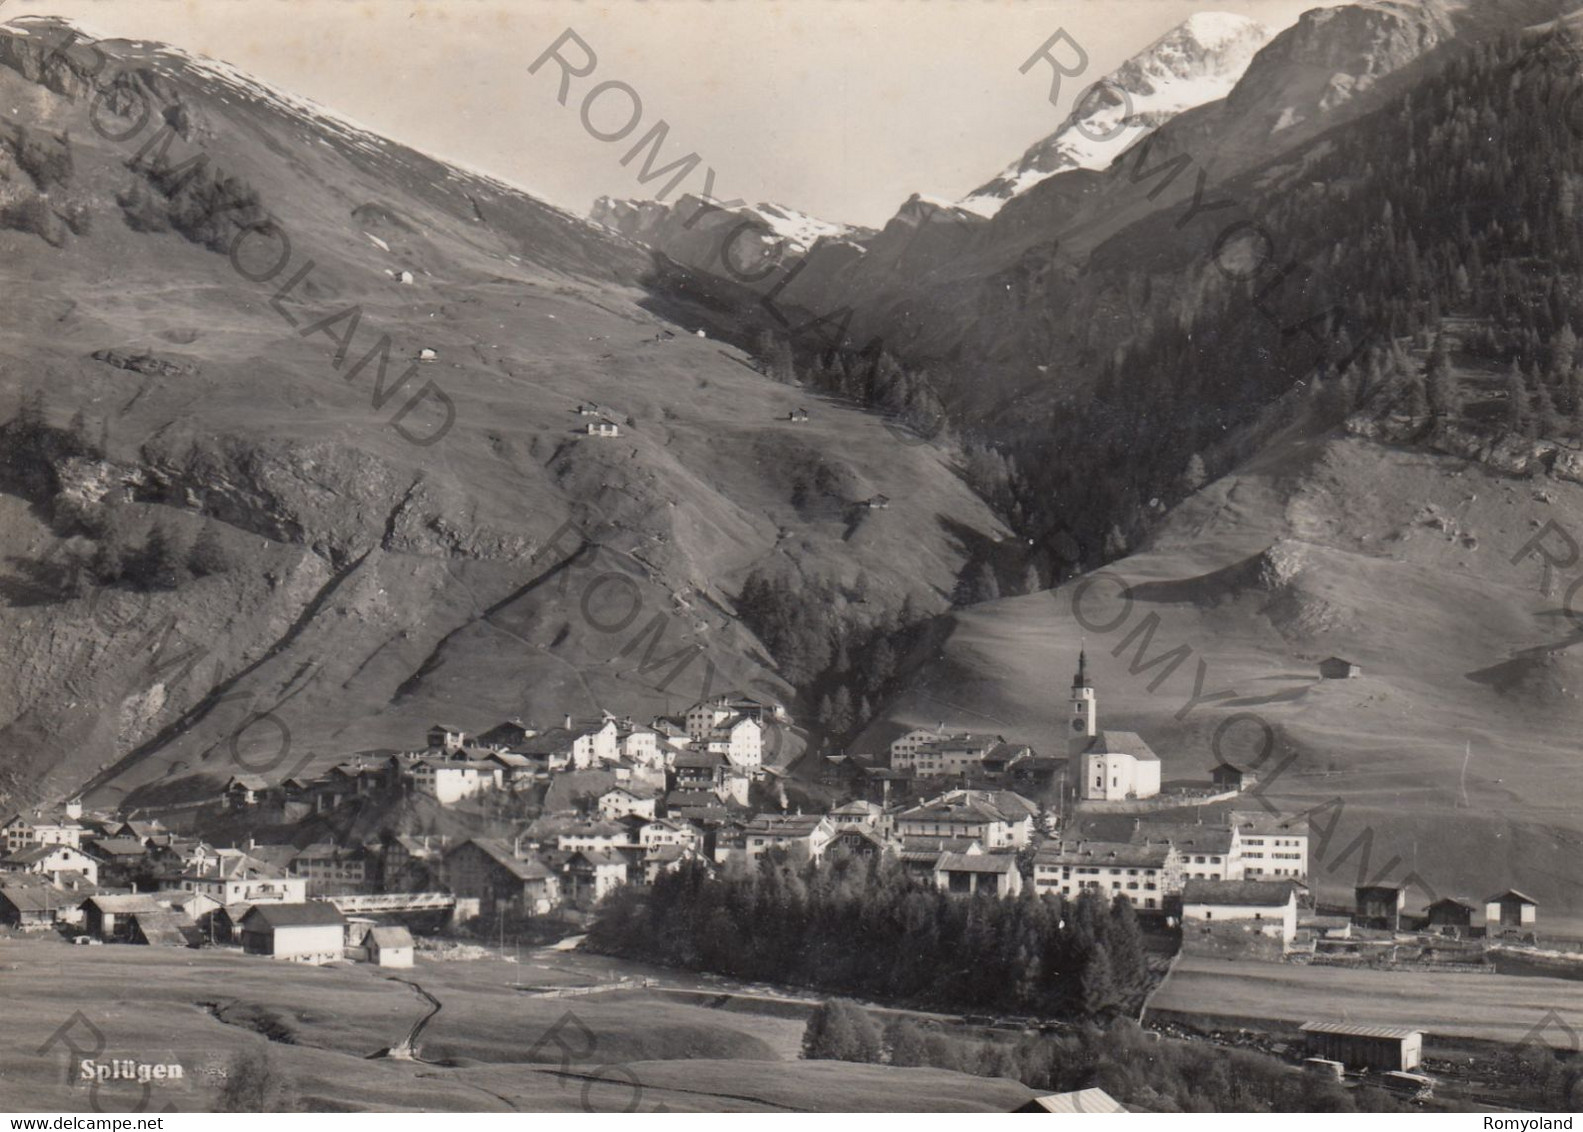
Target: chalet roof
857,809
698,760
124,905
785,825
1451,902
35,898
1512,893
1002,863
274,916
598,857
1261,893
1359,1030
1188,837
247,782
928,848
1120,743
160,929
523,868
391,937
967,811
1340,660
550,741
858,831
119,847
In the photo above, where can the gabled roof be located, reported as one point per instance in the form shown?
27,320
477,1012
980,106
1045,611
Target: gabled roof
33,854
1259,893
124,905
118,847
1513,894
1120,743
785,825
390,937
1002,863
247,782
35,898
523,868
313,914
698,760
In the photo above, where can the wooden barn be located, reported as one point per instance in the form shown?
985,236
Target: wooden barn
1510,911
1338,668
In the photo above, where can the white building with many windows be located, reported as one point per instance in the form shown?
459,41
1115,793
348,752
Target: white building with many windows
1145,873
1272,847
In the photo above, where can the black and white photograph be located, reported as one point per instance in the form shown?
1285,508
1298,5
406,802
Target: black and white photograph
791,556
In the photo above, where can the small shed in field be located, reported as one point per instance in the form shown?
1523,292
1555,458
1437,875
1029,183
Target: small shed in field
1338,668
1510,911
390,947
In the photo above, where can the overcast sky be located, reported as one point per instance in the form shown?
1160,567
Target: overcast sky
842,108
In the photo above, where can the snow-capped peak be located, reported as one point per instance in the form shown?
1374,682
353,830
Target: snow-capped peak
1197,62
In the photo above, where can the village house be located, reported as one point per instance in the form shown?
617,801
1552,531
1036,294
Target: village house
603,426
20,831
333,871
664,831
446,737
495,879
1209,852
919,855
515,771
966,874
53,861
704,716
1227,775
667,859
804,837
947,755
619,802
587,875
869,815
299,933
639,743
448,781
244,790
1270,845
594,835
740,739
234,877
407,863
1145,873
506,735
1269,905
857,841
972,814
119,858
698,771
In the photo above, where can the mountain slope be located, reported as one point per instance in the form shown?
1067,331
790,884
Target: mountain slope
382,567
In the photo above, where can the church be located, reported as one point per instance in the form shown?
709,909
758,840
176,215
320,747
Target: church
1111,766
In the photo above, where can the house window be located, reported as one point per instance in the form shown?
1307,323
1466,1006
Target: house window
1209,914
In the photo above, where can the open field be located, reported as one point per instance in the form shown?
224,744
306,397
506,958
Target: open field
500,1049
1483,1007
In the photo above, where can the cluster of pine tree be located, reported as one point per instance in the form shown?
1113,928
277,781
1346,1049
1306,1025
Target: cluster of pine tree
867,928
843,657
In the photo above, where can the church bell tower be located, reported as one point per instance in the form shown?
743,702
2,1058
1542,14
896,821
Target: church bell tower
1085,706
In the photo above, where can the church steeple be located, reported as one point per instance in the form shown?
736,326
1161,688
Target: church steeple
1085,705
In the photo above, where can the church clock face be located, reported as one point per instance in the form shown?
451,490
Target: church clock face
1077,725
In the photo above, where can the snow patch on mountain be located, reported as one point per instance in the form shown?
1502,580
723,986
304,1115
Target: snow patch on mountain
1197,62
